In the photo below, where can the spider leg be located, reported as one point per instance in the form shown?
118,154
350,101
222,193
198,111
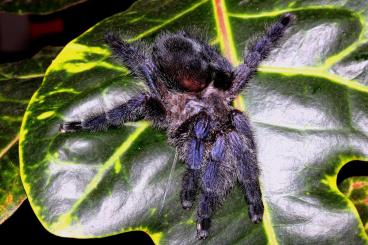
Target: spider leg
139,107
212,183
243,148
133,56
189,188
206,208
196,143
198,126
221,68
257,52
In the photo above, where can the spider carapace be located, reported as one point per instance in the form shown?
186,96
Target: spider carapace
191,87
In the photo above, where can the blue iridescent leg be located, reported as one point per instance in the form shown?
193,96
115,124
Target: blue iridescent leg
206,208
257,52
189,188
196,144
134,56
137,108
243,147
194,159
211,184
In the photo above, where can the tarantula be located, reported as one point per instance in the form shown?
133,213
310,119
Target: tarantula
191,87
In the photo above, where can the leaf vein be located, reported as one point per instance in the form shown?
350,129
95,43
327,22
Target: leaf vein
65,219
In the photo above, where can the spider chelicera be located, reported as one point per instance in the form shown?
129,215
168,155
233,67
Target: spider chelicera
191,87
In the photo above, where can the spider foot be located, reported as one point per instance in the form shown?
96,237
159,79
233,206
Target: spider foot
189,189
202,228
287,19
255,212
70,126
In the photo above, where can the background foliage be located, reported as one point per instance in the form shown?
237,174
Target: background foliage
18,81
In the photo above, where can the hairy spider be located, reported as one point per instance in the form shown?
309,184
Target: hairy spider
191,89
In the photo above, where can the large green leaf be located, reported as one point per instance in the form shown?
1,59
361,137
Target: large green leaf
309,118
18,81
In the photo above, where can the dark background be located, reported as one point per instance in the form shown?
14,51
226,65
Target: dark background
22,36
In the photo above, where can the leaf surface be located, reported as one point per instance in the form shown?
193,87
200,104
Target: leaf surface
309,116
